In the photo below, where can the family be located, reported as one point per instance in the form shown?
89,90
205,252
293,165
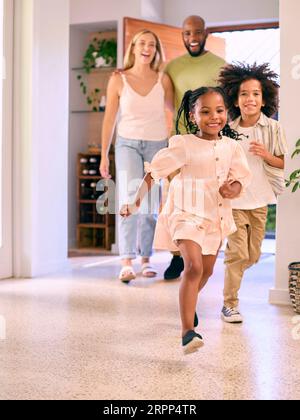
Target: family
224,163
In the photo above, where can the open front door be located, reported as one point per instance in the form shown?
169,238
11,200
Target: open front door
6,48
171,38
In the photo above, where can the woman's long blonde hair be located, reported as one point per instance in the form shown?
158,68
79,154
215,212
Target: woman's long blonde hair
158,59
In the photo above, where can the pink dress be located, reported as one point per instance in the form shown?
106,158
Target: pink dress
194,209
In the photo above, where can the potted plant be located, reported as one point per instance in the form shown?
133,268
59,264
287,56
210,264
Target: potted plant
295,176
100,53
294,268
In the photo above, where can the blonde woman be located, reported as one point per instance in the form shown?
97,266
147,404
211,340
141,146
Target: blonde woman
141,92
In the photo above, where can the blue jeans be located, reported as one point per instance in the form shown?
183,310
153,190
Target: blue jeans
136,232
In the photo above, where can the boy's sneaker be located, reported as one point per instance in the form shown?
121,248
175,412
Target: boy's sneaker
191,342
231,315
175,269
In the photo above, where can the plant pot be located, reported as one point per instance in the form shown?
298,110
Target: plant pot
294,285
101,62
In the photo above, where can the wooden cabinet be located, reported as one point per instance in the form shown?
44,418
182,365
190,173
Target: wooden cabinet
93,229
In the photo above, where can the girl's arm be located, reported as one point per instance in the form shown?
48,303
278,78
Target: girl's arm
109,122
259,149
145,187
239,176
165,162
168,160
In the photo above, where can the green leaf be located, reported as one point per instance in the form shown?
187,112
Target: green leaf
298,143
295,174
296,186
296,152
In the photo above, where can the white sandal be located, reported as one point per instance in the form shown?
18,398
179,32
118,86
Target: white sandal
127,274
148,270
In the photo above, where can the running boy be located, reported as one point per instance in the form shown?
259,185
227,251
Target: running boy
253,98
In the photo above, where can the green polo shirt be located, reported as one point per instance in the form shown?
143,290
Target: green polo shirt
189,73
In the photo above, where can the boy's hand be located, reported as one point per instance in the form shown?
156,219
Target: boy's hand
259,149
230,191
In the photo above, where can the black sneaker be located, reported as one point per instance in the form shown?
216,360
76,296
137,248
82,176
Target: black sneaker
175,269
196,322
191,342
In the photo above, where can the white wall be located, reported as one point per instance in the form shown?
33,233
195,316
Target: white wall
152,10
98,11
87,11
288,232
41,135
221,12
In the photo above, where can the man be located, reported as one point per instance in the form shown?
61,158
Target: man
197,68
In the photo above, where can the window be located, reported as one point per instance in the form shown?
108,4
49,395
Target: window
256,45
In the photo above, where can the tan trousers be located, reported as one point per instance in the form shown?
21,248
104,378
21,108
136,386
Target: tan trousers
243,250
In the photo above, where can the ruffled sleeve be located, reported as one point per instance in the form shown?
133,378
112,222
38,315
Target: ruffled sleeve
168,160
239,169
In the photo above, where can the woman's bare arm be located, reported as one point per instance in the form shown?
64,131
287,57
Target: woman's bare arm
169,92
112,106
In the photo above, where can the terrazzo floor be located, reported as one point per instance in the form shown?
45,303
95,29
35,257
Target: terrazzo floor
83,335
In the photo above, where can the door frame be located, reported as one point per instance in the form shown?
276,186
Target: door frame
6,250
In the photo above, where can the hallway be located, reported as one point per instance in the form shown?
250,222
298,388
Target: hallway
83,335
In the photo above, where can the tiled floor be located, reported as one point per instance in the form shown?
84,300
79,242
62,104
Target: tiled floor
83,335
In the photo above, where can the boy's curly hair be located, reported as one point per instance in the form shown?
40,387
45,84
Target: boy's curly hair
233,75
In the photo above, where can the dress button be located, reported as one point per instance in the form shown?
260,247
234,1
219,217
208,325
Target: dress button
220,205
217,159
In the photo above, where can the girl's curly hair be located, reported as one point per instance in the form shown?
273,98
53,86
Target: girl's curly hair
188,105
233,75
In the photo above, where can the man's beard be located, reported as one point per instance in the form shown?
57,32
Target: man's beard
196,53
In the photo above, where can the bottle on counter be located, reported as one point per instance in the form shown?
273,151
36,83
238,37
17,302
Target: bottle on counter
102,104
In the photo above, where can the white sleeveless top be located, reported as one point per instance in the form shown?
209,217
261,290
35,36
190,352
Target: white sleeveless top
143,117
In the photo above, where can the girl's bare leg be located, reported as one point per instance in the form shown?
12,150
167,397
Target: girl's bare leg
190,283
209,262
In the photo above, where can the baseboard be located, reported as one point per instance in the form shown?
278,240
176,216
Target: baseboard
51,267
279,297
